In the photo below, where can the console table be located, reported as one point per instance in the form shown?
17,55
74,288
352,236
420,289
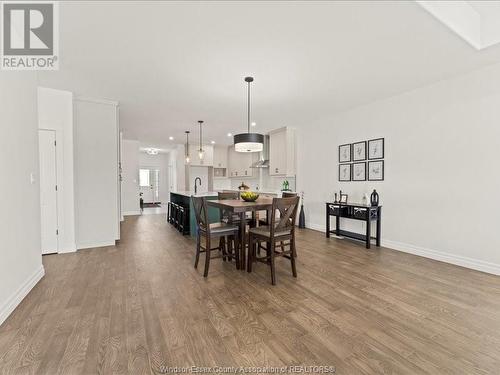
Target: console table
356,212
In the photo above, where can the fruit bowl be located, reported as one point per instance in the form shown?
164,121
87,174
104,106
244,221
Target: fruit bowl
249,196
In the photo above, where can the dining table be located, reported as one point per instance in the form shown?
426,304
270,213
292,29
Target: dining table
240,207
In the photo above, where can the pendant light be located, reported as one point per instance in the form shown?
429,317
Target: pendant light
248,142
200,151
187,146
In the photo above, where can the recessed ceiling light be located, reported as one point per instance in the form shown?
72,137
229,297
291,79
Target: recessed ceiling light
229,135
253,124
213,142
171,138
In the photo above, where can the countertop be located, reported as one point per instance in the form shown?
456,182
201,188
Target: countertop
188,193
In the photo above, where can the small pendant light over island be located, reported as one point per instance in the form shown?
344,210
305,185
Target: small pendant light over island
200,151
187,146
248,142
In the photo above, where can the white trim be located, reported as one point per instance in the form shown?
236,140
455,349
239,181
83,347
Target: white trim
475,264
71,248
90,245
97,100
458,260
132,213
15,299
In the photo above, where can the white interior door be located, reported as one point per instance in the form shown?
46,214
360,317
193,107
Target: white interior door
48,190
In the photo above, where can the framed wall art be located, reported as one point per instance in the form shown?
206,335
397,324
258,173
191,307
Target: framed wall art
376,170
376,148
344,172
359,151
359,172
345,153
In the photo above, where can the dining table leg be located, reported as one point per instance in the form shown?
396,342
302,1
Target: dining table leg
243,245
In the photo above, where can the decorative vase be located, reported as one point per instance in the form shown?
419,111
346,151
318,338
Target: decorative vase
302,217
374,198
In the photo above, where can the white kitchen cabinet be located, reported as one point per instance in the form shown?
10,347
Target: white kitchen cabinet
208,156
282,152
220,156
239,163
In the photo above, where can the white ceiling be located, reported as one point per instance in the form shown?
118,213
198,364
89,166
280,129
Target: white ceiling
173,63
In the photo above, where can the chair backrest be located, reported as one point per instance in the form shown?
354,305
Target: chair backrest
225,195
228,195
287,194
201,212
287,208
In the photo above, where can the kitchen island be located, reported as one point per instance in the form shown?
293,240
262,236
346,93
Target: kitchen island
183,199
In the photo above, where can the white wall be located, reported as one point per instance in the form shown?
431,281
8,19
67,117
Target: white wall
130,177
160,162
96,173
20,254
55,112
441,188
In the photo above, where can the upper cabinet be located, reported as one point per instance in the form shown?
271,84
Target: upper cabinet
240,162
208,156
282,152
220,156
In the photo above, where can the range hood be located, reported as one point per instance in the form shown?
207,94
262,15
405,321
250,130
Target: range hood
263,161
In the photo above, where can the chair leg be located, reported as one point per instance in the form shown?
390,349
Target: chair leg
237,250
271,259
293,255
250,252
198,249
222,247
207,257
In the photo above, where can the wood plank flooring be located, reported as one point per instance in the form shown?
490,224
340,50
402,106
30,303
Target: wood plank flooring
139,306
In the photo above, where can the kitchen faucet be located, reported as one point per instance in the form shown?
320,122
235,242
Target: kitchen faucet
195,186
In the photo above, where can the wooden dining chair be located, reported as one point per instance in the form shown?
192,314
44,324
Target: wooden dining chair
226,233
281,229
226,216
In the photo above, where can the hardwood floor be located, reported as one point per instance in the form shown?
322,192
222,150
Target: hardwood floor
141,305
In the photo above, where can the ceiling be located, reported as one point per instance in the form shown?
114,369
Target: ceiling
170,64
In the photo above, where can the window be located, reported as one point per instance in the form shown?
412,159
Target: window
144,177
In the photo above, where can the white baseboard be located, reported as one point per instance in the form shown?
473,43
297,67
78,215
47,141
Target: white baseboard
131,213
475,264
15,299
90,245
67,249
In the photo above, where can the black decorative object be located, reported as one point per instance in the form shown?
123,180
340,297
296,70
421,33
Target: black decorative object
335,201
248,142
374,198
302,215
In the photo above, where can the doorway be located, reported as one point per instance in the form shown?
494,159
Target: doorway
149,183
48,191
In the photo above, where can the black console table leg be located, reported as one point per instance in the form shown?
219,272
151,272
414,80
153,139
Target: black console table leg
379,213
337,225
368,233
327,223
